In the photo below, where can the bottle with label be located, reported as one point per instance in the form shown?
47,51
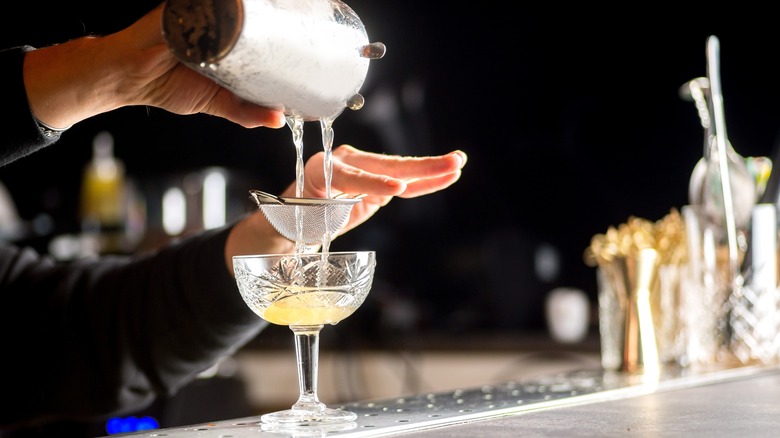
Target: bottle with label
103,207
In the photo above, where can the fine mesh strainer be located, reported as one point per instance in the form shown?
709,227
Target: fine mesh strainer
318,216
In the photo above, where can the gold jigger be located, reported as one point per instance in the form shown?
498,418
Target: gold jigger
641,349
634,283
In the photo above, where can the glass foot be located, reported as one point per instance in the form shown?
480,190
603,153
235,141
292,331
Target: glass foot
305,417
318,430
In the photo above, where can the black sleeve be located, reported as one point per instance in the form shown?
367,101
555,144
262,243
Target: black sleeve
88,339
20,134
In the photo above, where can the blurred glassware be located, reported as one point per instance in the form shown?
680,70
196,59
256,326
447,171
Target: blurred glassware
706,286
755,306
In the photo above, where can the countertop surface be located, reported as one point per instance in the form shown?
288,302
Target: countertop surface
741,401
739,408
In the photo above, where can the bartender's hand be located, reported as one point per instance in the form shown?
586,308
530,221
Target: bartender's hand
380,177
70,82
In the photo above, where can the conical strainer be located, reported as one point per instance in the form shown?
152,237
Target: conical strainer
317,216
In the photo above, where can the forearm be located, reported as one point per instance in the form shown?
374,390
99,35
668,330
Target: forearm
70,82
192,313
20,135
104,337
91,75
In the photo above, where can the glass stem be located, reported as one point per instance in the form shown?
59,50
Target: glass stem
307,350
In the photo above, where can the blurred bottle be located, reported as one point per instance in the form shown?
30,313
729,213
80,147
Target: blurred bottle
103,204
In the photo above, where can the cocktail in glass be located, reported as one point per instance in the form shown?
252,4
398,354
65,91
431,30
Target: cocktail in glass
306,292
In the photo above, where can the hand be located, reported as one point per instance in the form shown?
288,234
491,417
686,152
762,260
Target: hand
70,82
377,176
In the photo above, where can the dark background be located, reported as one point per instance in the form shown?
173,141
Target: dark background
572,122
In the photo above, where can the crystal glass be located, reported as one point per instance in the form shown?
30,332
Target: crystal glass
707,286
306,292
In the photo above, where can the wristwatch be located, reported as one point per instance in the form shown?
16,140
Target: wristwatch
48,131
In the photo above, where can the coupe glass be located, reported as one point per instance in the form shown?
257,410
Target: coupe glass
305,292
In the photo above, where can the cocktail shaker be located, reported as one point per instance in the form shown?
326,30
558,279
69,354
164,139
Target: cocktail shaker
308,58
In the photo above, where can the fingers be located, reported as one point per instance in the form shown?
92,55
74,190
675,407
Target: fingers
347,178
401,167
378,178
359,172
249,115
165,82
426,186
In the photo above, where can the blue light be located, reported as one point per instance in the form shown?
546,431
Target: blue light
130,424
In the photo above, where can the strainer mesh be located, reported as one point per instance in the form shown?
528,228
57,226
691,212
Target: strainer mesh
316,220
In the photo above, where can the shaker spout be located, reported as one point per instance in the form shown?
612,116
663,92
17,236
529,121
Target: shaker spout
373,51
356,102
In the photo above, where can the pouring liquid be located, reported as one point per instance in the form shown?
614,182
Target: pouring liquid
307,58
296,126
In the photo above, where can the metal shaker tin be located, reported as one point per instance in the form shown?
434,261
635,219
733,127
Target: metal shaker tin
308,58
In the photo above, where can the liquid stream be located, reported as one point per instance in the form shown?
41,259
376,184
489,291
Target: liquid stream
299,305
296,124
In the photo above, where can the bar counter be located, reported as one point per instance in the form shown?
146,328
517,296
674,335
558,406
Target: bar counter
727,402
